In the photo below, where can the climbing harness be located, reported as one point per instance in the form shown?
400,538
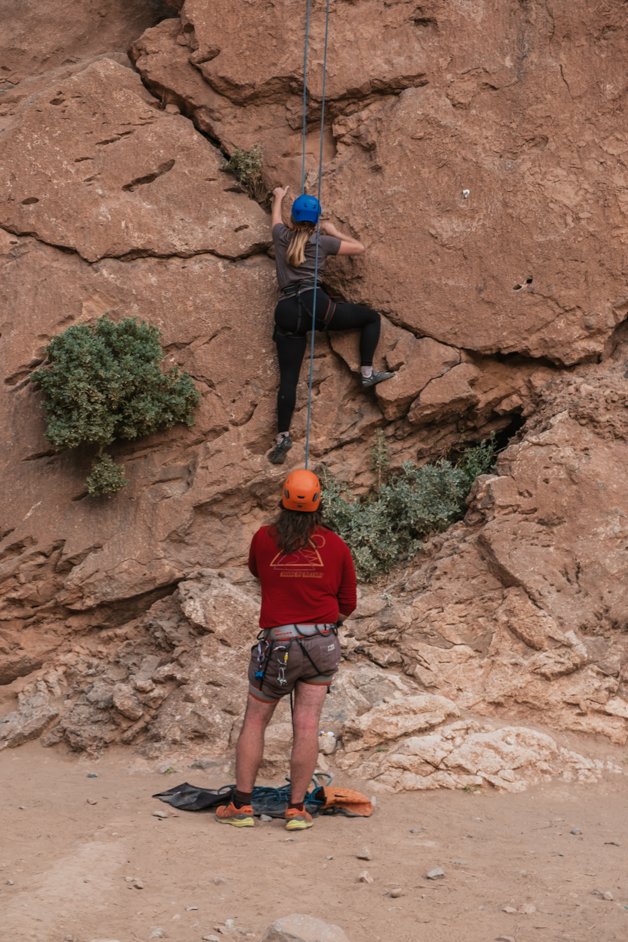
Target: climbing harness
308,7
295,290
277,641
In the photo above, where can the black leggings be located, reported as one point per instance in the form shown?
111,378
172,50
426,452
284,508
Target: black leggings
293,319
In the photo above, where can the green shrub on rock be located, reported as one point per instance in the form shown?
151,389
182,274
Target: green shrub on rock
102,383
105,478
387,526
246,166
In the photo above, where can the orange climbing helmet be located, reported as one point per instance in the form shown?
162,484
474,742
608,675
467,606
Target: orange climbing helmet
301,491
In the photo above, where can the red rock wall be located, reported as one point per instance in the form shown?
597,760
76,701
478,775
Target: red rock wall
479,152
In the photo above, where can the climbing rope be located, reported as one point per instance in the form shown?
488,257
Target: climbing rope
306,46
308,421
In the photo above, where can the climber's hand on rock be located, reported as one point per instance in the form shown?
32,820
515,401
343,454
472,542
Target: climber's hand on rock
280,191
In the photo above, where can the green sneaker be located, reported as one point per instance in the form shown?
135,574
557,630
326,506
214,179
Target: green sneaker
298,820
239,817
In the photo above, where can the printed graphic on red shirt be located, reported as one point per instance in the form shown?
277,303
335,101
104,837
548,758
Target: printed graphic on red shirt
299,565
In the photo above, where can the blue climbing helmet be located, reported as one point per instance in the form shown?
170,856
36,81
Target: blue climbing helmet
306,209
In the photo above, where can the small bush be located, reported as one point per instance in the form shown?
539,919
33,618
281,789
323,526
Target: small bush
479,459
105,478
103,383
246,167
387,527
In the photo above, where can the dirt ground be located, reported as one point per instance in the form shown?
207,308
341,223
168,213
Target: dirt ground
83,858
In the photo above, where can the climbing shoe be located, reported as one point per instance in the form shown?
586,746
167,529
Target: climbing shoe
377,376
280,449
297,820
239,817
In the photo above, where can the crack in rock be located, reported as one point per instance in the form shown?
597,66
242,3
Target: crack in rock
163,168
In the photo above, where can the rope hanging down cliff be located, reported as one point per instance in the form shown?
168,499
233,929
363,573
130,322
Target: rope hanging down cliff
300,253
308,422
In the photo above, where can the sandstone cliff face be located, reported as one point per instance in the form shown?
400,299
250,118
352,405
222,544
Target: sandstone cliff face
479,153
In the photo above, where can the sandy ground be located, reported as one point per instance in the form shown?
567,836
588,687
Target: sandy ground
84,859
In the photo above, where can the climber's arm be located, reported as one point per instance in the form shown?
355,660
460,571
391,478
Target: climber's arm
348,245
278,195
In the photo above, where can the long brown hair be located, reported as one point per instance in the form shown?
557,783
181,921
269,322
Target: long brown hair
295,252
292,529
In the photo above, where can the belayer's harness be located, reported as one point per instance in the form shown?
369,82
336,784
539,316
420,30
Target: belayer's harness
279,639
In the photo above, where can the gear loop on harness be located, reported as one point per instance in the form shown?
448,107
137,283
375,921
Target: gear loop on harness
264,653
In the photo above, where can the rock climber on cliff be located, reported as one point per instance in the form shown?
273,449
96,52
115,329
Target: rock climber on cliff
308,584
295,255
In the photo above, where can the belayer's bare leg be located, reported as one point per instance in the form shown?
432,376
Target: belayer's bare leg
250,748
308,703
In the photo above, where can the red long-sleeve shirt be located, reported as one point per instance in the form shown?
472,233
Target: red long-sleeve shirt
314,585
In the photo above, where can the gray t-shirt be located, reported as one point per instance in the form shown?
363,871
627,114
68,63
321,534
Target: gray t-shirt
286,273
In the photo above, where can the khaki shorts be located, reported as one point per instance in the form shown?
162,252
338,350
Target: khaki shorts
312,660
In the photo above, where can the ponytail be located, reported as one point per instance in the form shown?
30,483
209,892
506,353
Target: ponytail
295,253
